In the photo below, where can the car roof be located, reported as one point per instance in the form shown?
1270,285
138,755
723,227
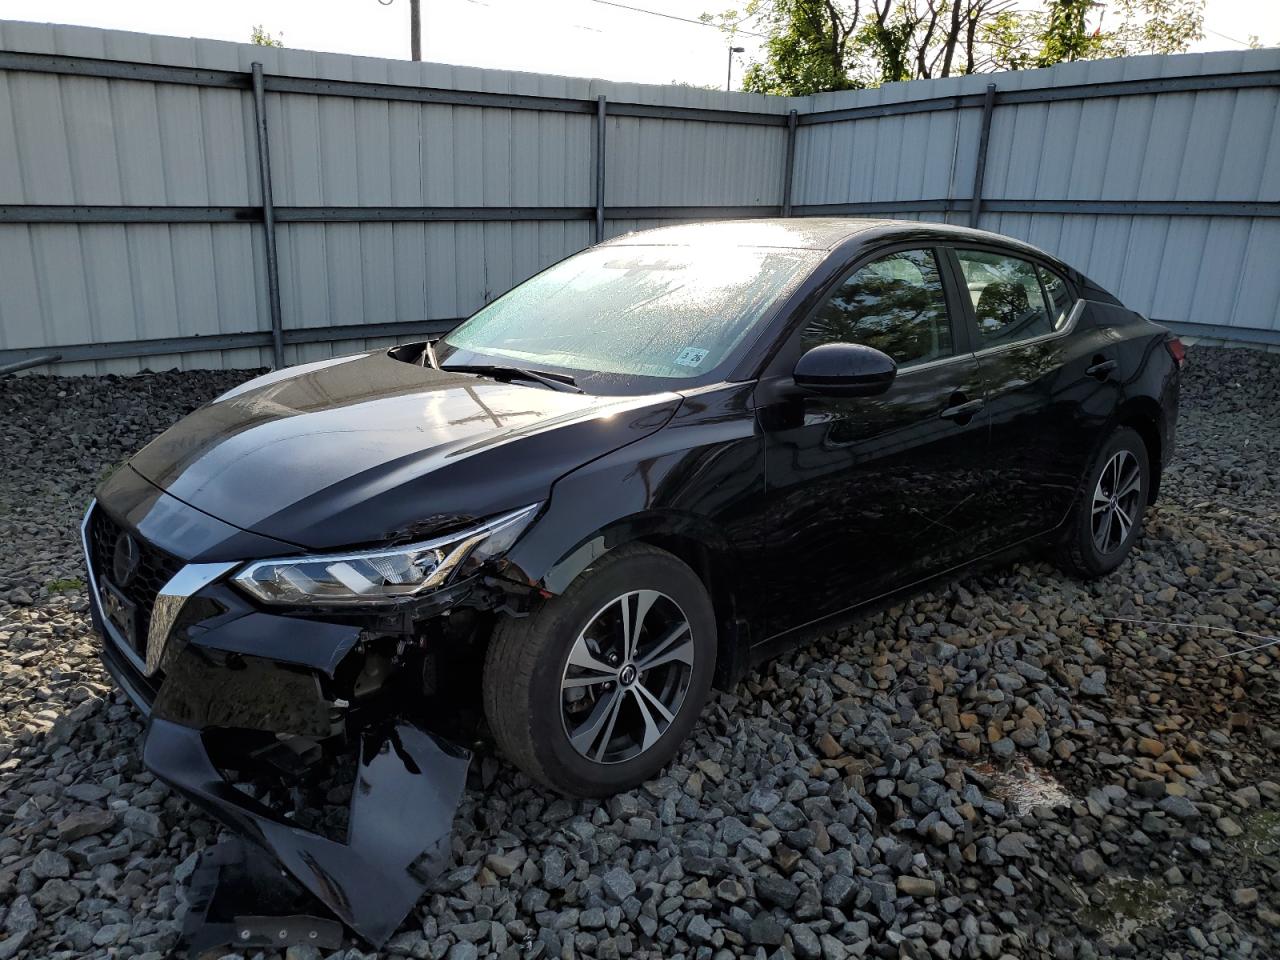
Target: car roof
810,233
844,238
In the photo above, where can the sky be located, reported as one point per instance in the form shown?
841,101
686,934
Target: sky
574,37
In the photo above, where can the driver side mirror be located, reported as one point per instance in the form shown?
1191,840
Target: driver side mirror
845,370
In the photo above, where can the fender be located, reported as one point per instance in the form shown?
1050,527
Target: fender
638,527
1149,395
699,481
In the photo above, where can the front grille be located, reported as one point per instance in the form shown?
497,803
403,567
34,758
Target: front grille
155,569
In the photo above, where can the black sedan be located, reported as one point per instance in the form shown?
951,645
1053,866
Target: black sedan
637,474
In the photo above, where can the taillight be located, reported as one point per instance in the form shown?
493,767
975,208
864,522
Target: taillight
1177,350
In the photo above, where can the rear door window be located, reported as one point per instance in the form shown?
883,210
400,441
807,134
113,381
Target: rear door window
1008,301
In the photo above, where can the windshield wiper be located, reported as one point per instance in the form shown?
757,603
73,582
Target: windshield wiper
556,381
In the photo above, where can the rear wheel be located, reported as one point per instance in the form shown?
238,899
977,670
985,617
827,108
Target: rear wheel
594,692
1107,517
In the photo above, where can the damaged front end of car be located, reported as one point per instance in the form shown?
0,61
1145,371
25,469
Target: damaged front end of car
309,721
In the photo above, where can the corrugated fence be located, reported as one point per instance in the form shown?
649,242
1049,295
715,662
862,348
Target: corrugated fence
134,231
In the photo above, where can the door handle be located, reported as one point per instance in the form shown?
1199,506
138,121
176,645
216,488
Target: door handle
962,412
1101,369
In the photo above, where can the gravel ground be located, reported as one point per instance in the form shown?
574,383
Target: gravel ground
994,769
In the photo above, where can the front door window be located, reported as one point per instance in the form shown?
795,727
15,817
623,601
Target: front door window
895,304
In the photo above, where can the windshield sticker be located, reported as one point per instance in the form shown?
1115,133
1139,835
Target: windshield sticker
691,356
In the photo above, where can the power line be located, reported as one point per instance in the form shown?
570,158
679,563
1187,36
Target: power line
1225,37
672,16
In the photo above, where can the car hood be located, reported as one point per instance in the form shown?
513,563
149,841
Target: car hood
369,448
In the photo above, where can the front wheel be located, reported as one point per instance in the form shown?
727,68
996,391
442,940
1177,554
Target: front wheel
1107,517
594,692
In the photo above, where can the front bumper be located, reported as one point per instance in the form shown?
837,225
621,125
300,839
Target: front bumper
231,686
407,787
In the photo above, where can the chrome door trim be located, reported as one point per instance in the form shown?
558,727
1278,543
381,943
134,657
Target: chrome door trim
1072,319
932,364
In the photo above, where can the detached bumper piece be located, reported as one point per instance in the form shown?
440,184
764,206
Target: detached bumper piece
408,785
239,896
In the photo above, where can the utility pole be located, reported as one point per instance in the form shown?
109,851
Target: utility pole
728,77
415,28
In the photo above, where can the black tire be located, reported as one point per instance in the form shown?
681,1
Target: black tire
1079,551
527,659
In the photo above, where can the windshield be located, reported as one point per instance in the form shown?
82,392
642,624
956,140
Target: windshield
670,312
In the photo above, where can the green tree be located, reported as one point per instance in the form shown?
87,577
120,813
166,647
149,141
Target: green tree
810,47
817,45
889,36
1012,39
1155,26
260,38
922,39
1067,35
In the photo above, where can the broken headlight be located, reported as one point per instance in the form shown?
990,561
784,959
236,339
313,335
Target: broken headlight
385,575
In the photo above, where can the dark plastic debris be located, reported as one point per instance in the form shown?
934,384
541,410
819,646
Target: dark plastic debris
407,789
240,897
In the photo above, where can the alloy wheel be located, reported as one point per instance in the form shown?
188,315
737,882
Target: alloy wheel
627,676
1116,501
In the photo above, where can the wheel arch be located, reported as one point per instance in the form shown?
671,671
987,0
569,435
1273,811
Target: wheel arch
1144,415
732,635
693,542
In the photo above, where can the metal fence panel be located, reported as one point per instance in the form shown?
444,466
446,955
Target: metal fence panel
407,195
684,163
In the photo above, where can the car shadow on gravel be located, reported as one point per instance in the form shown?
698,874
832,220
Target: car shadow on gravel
844,801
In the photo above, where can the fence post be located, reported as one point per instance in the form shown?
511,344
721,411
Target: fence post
789,168
268,217
600,115
980,167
